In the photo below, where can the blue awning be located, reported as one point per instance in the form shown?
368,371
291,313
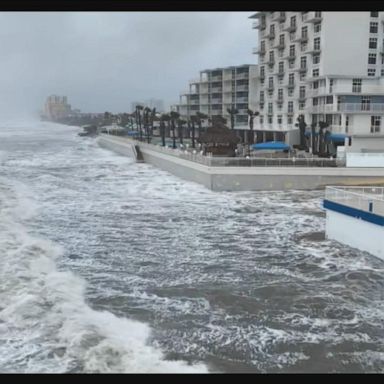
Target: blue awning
338,137
132,133
273,145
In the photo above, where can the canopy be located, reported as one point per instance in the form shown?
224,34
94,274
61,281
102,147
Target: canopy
273,145
338,137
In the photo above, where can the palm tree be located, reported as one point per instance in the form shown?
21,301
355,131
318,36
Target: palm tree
251,115
302,125
199,118
232,111
163,118
153,118
193,120
180,123
138,120
174,116
313,138
146,122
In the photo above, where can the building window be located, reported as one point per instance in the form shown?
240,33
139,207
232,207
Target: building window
302,105
356,85
281,66
371,71
262,96
372,43
315,101
372,58
279,119
382,72
262,71
302,92
270,108
317,27
280,94
329,100
290,106
290,119
375,124
374,14
290,91
316,59
304,32
316,44
315,84
261,119
291,78
373,27
292,50
291,64
303,47
302,76
315,73
303,62
293,21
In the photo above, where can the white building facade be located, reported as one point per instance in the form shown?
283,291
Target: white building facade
327,66
218,89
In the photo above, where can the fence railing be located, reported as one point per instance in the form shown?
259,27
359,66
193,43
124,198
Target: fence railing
369,199
195,155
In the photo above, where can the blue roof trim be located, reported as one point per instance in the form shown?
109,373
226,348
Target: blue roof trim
354,212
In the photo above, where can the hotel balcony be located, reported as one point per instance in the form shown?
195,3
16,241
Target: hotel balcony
290,28
325,108
242,88
301,69
271,36
312,17
257,25
312,50
217,78
290,85
216,90
270,63
361,108
258,51
194,102
290,56
279,45
301,39
240,76
242,100
279,16
270,88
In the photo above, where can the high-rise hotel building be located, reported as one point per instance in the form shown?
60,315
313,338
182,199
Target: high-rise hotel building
218,89
327,66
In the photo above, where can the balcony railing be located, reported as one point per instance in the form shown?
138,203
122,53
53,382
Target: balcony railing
216,101
279,16
216,89
361,108
369,199
242,88
301,39
290,28
312,17
279,45
321,108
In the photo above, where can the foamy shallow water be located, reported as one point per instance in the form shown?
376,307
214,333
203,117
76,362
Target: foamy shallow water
112,266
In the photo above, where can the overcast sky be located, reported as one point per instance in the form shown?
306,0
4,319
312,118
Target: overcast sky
105,60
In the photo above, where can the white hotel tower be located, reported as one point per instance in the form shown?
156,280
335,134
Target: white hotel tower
328,66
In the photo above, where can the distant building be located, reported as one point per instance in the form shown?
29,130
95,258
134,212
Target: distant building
56,107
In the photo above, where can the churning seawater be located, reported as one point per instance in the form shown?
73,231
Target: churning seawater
111,266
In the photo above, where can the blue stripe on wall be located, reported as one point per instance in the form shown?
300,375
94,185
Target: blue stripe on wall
353,212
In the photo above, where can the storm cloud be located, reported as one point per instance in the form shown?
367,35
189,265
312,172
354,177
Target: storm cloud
105,60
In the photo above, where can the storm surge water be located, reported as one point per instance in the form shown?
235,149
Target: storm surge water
111,266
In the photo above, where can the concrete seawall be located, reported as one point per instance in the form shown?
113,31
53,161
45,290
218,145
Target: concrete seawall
246,178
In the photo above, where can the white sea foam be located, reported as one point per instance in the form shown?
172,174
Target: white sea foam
41,306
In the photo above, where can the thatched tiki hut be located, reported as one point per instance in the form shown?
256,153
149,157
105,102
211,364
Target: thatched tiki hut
219,140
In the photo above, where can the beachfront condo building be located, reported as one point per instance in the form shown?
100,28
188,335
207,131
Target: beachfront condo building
327,66
217,90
